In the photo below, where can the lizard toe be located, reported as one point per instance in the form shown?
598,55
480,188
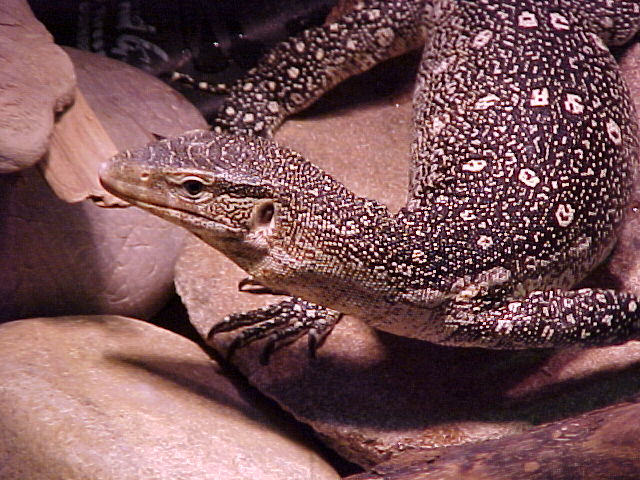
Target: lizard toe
281,323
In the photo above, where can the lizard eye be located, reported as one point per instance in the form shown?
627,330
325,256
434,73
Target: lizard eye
193,187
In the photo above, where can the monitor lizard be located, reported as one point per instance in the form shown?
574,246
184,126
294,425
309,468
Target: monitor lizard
521,172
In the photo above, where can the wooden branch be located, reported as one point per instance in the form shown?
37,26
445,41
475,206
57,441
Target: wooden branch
600,444
79,143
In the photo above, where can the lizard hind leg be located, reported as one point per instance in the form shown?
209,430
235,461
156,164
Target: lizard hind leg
552,318
281,324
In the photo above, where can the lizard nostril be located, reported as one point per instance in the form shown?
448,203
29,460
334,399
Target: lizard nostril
144,176
265,213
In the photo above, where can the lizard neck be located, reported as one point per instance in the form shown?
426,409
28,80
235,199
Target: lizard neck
332,247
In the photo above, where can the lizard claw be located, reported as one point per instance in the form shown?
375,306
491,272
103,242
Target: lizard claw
320,332
251,285
281,324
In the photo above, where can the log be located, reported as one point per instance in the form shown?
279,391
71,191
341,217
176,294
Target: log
79,144
603,443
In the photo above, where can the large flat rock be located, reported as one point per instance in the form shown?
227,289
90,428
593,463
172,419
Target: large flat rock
110,398
373,396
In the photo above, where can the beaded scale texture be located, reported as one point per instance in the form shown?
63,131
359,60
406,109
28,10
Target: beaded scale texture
521,172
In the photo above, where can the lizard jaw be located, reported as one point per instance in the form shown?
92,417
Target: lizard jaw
133,185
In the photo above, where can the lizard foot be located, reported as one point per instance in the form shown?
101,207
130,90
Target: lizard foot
281,323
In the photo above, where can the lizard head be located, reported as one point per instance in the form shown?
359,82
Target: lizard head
247,197
213,185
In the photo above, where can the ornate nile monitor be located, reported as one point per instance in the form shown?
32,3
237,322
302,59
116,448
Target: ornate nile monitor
521,172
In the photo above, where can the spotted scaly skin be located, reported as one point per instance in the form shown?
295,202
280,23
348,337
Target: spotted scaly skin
296,72
521,172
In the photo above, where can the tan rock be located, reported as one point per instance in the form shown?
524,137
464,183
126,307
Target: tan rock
110,398
371,395
36,82
59,258
117,91
79,144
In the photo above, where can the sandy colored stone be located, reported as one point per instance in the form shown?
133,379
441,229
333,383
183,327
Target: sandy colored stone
58,258
371,395
36,82
110,398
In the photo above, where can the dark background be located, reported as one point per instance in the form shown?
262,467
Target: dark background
210,41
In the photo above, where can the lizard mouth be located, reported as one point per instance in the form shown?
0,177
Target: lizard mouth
143,196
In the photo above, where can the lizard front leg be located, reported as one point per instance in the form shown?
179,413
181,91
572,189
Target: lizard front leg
551,318
282,323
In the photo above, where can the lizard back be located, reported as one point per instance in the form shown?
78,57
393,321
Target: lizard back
525,138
